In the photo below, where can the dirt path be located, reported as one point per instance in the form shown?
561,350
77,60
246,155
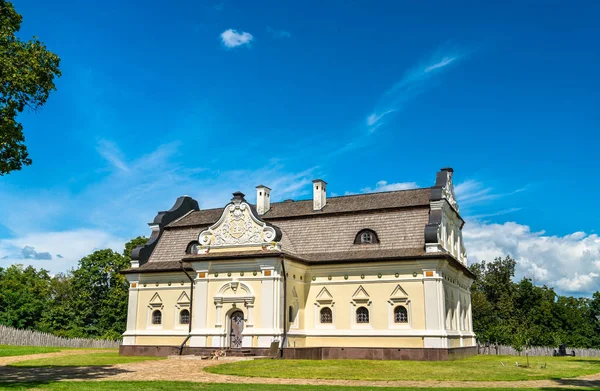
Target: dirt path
193,370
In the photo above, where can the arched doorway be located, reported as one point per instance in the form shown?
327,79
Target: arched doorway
237,326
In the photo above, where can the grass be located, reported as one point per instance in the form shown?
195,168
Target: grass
10,350
478,368
188,386
83,360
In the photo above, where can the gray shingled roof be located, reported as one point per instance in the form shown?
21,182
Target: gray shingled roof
399,219
335,205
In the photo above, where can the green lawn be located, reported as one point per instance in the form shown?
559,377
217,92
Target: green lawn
483,368
186,386
83,360
10,350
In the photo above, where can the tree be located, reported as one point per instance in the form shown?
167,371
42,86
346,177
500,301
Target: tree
62,315
23,295
27,72
492,296
91,301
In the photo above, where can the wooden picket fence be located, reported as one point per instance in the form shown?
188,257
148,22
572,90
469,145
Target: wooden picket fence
533,351
12,336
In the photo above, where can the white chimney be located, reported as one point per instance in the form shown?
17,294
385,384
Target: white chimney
263,199
319,194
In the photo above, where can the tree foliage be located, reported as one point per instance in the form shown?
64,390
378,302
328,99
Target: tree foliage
27,73
89,301
522,314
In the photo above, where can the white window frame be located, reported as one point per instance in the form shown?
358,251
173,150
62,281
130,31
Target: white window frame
395,302
354,306
322,303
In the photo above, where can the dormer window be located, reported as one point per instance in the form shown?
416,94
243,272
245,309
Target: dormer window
192,248
366,236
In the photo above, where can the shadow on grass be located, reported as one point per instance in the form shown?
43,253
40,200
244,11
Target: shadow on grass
19,376
583,360
592,384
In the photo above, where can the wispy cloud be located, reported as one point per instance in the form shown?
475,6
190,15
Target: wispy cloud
278,34
445,61
374,118
109,151
231,38
494,214
413,83
472,191
382,186
116,205
385,186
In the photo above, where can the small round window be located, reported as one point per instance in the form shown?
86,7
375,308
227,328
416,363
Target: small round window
366,236
192,248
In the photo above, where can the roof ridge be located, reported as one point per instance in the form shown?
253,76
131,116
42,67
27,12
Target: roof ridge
361,194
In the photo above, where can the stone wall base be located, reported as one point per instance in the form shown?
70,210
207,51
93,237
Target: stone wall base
417,354
153,350
320,353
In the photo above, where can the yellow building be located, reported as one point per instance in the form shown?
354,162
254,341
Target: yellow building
379,276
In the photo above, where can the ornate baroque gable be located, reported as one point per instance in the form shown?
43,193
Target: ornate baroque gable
239,226
443,232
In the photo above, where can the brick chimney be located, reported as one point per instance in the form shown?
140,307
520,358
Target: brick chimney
319,194
263,199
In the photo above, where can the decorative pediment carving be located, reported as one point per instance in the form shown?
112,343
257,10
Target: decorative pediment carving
294,293
399,292
156,301
235,292
238,226
361,295
448,191
183,298
398,295
324,297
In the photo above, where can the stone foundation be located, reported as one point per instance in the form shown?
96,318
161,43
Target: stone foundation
417,354
320,353
146,350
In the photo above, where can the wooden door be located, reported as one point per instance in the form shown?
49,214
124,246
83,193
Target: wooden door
237,326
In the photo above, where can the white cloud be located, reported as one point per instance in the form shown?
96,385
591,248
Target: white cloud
384,186
231,38
68,246
571,263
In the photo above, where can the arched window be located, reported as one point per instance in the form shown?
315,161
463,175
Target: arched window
156,317
184,317
362,315
192,248
400,315
291,313
326,315
366,236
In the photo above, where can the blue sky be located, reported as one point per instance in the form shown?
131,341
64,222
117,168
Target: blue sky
204,98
